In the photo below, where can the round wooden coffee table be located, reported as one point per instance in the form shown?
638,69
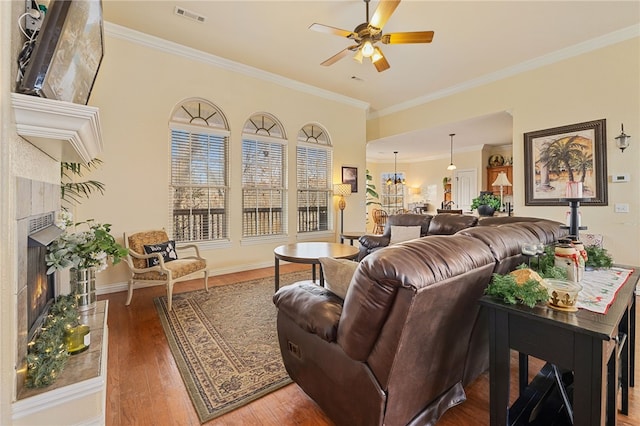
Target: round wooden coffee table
309,253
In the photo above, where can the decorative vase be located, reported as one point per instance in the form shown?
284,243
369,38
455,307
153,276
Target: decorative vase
83,285
77,339
486,210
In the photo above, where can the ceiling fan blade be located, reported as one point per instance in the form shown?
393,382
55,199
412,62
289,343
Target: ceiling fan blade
341,54
381,64
409,37
330,30
383,13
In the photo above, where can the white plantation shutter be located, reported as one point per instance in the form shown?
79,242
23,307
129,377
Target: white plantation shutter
313,178
199,164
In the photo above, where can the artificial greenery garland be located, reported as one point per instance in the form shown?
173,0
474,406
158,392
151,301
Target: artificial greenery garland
598,257
47,352
531,291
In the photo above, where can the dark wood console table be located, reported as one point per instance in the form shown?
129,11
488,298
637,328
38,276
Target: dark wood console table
597,348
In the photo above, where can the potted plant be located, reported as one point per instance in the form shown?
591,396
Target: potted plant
86,252
486,204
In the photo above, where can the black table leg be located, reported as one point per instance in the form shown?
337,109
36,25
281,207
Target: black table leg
498,367
277,273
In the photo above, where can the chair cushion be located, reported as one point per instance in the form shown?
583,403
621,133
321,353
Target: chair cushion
138,240
167,249
404,233
179,268
337,274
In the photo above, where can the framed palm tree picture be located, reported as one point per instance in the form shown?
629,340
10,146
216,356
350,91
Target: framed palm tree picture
561,159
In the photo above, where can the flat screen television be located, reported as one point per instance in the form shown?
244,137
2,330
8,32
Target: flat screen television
68,51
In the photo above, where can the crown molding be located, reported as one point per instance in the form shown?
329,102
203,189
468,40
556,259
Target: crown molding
166,46
541,61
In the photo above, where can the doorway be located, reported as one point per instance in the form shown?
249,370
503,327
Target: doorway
465,188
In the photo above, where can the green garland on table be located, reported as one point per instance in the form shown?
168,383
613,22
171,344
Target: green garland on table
47,352
598,257
506,288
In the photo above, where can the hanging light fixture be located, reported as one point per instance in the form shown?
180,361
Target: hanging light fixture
451,166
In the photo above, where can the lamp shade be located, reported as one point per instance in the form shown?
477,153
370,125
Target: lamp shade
343,189
415,190
501,180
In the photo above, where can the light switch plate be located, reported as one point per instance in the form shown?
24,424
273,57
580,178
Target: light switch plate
621,208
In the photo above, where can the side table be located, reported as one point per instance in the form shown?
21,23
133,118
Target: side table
350,236
596,347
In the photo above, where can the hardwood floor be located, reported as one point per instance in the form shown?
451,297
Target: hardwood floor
144,386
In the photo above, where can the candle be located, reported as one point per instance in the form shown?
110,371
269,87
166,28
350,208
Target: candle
574,190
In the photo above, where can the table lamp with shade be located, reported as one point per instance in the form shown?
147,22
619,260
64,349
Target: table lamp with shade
342,190
501,181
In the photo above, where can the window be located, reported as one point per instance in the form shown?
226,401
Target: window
199,163
264,196
313,178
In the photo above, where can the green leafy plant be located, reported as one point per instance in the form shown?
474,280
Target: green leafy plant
486,200
84,249
598,257
372,192
71,191
505,287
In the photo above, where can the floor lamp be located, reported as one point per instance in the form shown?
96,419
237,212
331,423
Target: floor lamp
501,181
342,190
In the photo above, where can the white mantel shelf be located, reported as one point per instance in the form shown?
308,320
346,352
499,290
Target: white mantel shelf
63,130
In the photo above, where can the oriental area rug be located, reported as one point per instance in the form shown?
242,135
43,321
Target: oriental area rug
225,343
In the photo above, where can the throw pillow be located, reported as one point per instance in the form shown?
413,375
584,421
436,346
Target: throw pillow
404,233
167,249
337,274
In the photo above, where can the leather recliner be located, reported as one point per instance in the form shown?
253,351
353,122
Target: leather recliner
442,224
410,333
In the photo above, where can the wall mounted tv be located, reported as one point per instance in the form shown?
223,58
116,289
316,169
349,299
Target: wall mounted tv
68,52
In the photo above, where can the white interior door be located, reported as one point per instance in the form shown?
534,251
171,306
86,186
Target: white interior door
465,188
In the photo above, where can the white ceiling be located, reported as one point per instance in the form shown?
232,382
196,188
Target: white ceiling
474,41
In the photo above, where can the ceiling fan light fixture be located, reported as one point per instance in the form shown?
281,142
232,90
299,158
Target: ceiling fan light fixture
367,49
377,55
358,56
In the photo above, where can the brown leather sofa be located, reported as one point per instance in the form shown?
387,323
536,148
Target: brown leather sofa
442,224
409,335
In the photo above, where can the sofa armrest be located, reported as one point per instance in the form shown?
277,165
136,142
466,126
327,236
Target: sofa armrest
313,308
374,241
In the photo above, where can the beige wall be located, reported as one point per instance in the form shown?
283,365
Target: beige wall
600,84
136,91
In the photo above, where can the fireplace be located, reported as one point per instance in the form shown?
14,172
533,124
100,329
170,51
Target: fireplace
36,207
40,286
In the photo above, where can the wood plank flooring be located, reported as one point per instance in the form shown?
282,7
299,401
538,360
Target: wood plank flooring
144,386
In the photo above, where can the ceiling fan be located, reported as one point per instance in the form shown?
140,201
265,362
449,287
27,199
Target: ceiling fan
366,35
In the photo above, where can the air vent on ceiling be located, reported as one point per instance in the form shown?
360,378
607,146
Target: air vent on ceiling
180,11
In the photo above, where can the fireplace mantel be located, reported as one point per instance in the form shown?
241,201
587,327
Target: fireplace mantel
65,131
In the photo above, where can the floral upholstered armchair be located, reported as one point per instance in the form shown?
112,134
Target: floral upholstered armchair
153,259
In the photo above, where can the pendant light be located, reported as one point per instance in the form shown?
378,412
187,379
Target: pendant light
451,166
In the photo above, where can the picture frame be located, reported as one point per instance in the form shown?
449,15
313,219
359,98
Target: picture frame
350,176
68,51
573,153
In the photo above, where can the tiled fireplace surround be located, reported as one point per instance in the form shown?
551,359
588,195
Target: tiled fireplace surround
34,199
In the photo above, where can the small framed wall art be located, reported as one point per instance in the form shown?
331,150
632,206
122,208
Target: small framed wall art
350,176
